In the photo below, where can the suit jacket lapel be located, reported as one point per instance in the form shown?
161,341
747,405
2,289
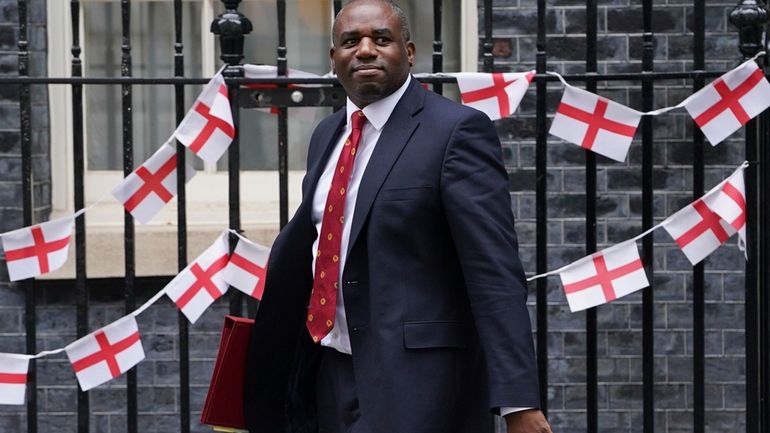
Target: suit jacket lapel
395,135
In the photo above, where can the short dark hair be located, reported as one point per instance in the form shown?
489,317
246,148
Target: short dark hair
403,20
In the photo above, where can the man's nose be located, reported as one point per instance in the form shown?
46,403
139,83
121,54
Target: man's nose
366,48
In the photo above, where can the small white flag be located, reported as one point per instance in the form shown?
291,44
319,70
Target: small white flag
13,378
201,282
247,268
697,230
498,95
208,128
729,202
107,353
725,105
604,276
595,123
37,250
145,191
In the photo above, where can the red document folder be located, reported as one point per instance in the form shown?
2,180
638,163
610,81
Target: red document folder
224,402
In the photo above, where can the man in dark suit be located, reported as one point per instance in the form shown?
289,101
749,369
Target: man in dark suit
395,299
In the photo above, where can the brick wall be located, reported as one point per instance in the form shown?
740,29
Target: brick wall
619,218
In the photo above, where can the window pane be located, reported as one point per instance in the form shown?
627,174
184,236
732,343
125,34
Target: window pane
152,55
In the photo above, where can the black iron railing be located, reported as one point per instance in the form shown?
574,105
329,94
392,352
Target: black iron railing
231,26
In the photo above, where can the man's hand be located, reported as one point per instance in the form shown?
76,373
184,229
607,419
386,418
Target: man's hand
527,421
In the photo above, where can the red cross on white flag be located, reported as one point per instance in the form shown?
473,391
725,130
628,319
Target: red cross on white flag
497,95
729,202
698,230
208,128
145,191
604,276
201,282
725,105
37,250
13,378
595,123
247,268
107,353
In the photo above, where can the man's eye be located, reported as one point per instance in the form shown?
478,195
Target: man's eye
383,40
349,42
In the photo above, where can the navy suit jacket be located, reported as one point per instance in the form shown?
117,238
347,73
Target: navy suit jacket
435,295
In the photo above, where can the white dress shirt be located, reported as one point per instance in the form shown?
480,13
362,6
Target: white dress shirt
377,115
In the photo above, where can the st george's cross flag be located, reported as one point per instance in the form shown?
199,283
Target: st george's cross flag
728,201
698,230
147,189
726,104
107,353
497,95
13,378
37,250
595,123
202,281
604,276
208,127
247,268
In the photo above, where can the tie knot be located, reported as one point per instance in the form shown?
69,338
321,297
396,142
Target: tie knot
357,120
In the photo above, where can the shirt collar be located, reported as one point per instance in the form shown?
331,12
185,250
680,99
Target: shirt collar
378,113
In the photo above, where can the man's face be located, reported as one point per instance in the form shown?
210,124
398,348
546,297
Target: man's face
370,56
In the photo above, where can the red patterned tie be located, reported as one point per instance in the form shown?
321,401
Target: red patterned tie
323,298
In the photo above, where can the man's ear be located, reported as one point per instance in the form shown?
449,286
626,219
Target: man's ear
411,49
331,60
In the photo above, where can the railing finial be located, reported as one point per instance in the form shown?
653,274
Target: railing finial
750,16
231,26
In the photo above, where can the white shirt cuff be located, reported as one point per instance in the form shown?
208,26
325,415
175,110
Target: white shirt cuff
509,410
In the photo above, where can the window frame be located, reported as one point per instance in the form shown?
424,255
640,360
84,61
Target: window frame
208,183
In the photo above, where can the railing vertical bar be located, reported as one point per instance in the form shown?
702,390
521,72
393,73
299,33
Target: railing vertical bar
699,282
234,179
181,217
753,273
764,297
129,237
28,286
648,318
81,289
592,369
438,44
283,121
541,209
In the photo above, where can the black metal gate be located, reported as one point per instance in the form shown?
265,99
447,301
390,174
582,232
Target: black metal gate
747,16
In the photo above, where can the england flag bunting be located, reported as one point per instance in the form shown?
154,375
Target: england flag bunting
595,123
13,378
37,250
728,200
247,268
145,191
208,127
698,230
497,95
107,353
725,105
202,281
604,276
